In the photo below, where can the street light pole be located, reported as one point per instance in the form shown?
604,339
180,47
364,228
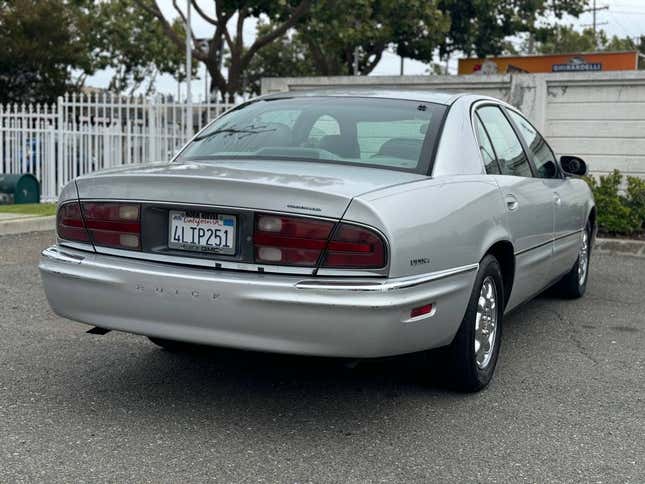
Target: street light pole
189,65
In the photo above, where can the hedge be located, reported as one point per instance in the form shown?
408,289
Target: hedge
619,212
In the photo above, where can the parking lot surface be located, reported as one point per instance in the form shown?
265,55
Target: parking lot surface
567,402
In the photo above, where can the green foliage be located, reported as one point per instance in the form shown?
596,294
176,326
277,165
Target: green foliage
618,213
636,198
285,57
39,209
481,27
335,29
565,39
42,40
133,44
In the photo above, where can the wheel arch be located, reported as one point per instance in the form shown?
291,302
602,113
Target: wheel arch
503,251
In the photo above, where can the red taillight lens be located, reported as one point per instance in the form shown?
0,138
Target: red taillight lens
300,242
113,224
355,247
289,240
69,223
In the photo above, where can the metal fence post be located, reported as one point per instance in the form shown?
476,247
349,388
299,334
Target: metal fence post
56,165
2,134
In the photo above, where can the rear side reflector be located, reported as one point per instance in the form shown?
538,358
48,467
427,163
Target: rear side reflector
302,242
108,224
421,310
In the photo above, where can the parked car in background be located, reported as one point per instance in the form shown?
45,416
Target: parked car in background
353,224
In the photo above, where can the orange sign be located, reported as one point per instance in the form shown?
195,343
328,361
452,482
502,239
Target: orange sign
598,61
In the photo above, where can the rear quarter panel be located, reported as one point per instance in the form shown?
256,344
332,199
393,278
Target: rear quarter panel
435,224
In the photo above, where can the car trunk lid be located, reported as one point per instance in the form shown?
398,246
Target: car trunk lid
316,189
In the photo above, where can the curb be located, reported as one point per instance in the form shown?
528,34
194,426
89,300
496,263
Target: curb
634,248
27,224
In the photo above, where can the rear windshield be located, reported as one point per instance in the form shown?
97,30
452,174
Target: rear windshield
384,133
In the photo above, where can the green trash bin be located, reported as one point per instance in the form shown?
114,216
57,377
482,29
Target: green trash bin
19,188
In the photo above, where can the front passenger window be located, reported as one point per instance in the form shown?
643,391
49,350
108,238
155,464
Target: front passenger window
510,154
542,153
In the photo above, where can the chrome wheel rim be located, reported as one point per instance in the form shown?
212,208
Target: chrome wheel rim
583,259
486,323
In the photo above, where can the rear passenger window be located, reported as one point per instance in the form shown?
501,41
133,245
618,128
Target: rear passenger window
486,148
511,156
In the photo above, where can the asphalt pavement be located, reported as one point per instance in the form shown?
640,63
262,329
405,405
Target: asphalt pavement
567,403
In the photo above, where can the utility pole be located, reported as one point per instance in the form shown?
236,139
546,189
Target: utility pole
594,9
402,62
189,65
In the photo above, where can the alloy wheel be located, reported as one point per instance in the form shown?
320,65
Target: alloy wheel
486,323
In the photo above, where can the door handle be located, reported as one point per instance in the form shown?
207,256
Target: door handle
557,199
511,203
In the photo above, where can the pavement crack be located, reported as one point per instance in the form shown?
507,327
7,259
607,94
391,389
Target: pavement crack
573,336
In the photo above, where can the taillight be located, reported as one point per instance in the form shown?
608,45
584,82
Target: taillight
355,247
108,224
300,242
113,224
69,223
290,240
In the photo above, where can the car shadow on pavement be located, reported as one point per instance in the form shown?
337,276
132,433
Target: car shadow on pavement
138,376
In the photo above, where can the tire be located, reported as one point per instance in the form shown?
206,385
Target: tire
469,363
170,345
574,284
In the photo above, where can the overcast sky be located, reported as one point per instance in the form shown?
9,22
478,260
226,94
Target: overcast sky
623,18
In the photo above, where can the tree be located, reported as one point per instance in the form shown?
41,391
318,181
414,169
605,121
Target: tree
42,40
565,39
130,40
283,15
285,57
481,27
336,30
413,29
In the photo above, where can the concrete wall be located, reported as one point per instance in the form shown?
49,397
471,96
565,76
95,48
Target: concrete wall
598,116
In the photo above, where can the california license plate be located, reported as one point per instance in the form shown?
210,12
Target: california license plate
202,232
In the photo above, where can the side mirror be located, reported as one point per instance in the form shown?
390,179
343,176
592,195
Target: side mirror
572,165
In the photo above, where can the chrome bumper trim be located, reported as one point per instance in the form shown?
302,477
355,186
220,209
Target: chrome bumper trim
62,256
346,284
384,285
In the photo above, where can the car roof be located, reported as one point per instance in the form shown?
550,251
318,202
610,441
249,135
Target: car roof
421,95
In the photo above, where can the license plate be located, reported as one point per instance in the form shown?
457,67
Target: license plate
202,232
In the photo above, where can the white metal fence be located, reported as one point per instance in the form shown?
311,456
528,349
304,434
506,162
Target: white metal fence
84,133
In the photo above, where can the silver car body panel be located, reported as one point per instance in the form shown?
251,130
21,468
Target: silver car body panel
437,228
325,191
267,312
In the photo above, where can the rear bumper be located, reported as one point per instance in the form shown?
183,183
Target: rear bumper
359,318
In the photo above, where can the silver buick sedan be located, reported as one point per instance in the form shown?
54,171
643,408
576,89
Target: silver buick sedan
353,224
